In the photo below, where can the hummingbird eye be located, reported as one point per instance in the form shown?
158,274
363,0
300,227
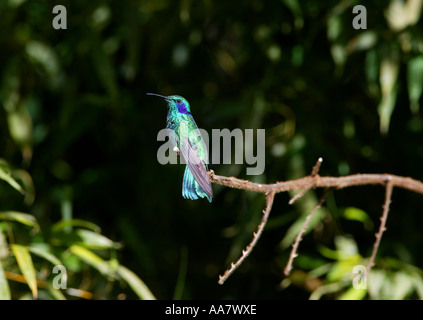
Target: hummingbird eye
178,101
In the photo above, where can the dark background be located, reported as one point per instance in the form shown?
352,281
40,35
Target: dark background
80,136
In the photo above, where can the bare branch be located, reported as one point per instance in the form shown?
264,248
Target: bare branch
304,184
320,182
313,174
256,236
382,228
298,239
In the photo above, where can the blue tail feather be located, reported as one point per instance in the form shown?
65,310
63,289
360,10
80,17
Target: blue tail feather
191,189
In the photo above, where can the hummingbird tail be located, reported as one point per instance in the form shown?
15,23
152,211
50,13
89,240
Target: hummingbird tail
190,187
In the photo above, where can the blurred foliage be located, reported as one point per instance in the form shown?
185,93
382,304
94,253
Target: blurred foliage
74,241
81,186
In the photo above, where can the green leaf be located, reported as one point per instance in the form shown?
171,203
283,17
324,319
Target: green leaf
357,214
328,253
402,285
56,293
326,289
139,287
20,124
388,76
95,240
353,294
362,42
341,270
4,247
415,82
44,55
24,218
375,283
5,174
346,247
63,224
385,110
371,67
104,267
4,285
295,8
45,255
26,266
92,259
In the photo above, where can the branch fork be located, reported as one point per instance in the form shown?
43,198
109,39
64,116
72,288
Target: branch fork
314,180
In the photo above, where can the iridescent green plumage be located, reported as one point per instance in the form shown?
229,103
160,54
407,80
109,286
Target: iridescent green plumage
188,141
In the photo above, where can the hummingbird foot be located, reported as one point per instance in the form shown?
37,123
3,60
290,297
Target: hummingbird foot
178,152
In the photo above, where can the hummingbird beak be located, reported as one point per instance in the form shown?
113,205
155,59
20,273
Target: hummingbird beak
158,95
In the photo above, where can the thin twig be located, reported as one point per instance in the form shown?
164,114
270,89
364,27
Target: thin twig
298,195
256,236
294,251
382,227
316,167
313,174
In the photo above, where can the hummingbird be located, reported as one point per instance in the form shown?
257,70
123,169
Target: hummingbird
187,142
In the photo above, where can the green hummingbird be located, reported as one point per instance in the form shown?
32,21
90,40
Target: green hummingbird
188,143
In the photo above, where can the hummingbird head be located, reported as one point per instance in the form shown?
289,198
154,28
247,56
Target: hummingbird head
175,103
178,103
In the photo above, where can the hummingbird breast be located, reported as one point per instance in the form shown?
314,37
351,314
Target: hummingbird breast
172,121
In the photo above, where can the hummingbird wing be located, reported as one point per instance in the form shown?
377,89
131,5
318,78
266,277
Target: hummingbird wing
196,166
194,152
